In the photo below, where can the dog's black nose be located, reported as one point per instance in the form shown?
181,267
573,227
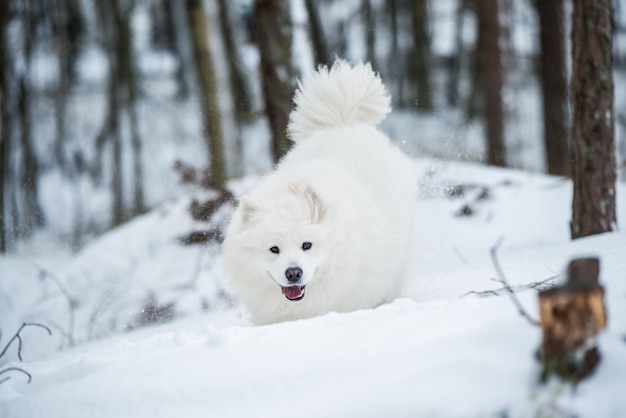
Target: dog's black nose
293,274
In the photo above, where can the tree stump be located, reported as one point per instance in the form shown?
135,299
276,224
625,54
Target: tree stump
571,316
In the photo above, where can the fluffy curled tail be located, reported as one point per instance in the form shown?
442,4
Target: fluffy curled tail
339,96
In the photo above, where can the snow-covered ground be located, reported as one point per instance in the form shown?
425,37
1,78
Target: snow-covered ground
439,352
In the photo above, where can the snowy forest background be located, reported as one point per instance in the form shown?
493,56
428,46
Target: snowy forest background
103,102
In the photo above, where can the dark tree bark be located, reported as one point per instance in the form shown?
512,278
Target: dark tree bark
128,73
420,56
126,86
554,86
138,199
593,119
31,214
208,89
5,132
113,129
321,55
238,85
169,32
69,27
395,69
278,77
369,25
452,84
163,29
121,96
490,57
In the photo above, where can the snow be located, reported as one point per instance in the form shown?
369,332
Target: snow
442,351
438,352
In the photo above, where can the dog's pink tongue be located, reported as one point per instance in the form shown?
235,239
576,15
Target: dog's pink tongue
293,292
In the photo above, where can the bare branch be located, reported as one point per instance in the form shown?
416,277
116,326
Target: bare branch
71,301
14,369
510,291
497,292
18,337
37,324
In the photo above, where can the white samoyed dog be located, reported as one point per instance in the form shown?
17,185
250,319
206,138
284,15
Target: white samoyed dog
330,229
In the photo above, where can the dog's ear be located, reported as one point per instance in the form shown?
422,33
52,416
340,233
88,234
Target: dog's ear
318,209
247,207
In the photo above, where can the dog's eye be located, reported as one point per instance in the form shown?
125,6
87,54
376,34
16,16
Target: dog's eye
306,246
275,250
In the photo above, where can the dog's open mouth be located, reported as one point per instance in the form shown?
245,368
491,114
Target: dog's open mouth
293,293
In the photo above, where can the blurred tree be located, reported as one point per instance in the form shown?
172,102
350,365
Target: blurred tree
31,214
168,26
211,117
236,77
239,90
20,211
454,67
68,28
369,26
395,71
121,96
593,119
321,55
489,56
420,61
273,32
553,79
5,135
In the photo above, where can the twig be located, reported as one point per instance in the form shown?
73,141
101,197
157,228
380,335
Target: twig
18,337
72,302
14,369
482,293
510,291
536,285
497,292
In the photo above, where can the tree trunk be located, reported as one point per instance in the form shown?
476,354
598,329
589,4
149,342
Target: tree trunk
69,25
238,85
5,132
208,90
278,77
420,62
138,202
117,185
452,85
173,17
395,69
554,86
128,89
321,54
369,24
111,129
491,63
593,119
118,81
31,213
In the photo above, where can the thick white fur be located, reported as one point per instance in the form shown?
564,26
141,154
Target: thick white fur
343,187
343,95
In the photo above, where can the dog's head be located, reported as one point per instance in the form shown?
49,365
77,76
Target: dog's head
282,235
